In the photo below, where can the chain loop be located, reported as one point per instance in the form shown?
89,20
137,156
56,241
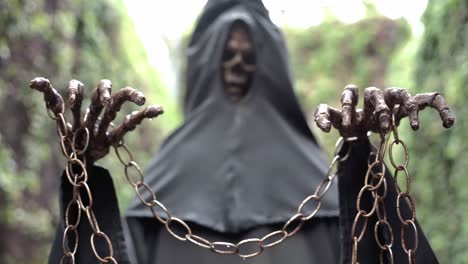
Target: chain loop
386,224
252,254
92,220
109,244
313,197
291,227
416,239
359,215
162,207
67,258
291,221
183,224
199,241
66,240
127,151
68,142
78,214
376,184
359,199
404,195
72,176
231,249
271,235
408,183
410,203
391,155
85,147
133,164
140,196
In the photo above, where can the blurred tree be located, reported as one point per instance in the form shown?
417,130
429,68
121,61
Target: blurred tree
331,55
60,40
440,167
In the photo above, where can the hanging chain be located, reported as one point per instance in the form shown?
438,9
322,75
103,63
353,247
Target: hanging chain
291,227
376,184
407,224
82,199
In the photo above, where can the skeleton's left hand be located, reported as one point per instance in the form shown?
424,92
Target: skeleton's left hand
90,131
379,106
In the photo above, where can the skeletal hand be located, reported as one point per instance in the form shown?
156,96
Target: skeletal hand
90,131
378,109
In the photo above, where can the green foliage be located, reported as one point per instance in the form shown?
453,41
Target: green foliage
327,57
439,170
61,40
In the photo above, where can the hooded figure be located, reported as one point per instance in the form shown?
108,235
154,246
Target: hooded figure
243,160
239,165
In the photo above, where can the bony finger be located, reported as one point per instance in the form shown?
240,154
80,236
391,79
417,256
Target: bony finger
53,99
445,114
75,93
374,100
118,99
104,90
127,94
39,83
321,118
75,101
131,121
407,105
349,99
437,101
135,96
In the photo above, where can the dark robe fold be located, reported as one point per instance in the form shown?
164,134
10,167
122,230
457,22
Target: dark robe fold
106,210
350,182
233,166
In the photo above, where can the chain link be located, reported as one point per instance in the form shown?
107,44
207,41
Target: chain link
375,184
383,232
291,227
404,195
77,176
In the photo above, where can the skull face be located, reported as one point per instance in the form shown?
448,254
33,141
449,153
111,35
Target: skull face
238,63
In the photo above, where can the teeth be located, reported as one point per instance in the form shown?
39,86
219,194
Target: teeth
235,78
234,90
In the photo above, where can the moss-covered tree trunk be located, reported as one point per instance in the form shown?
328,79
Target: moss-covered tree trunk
60,40
441,164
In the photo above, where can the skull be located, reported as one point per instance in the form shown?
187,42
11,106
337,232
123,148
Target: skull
238,64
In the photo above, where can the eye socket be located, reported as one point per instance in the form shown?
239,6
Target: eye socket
249,57
228,54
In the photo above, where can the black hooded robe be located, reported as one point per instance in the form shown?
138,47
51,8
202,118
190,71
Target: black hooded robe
239,170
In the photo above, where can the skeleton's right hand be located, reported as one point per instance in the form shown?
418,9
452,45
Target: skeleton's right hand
89,131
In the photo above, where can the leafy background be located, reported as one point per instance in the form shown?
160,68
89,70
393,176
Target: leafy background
92,40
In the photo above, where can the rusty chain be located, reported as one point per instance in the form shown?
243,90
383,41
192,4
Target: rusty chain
409,223
291,227
82,199
376,184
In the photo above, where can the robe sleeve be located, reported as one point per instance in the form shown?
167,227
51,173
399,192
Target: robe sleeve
106,210
350,181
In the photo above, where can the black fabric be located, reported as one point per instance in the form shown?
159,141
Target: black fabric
316,243
351,180
106,210
234,166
